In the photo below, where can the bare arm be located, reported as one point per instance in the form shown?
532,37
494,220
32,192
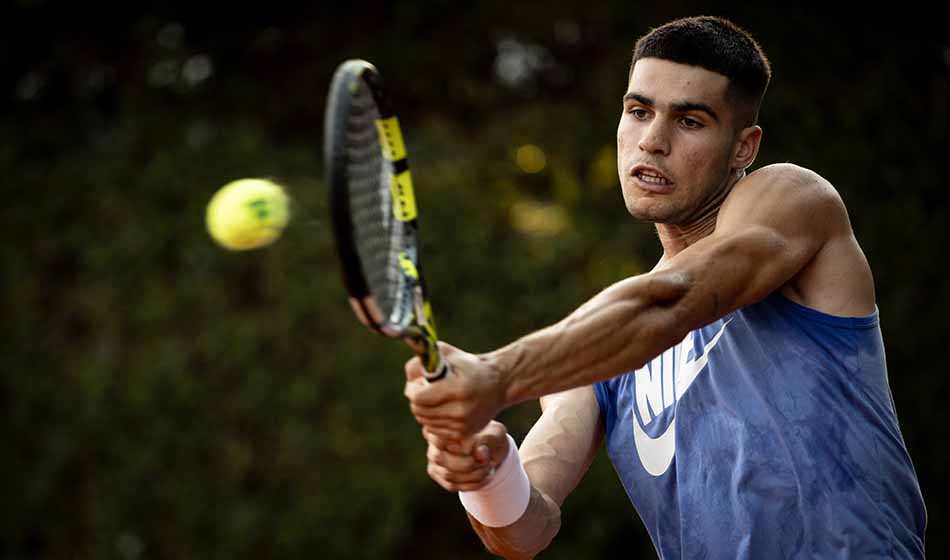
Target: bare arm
556,453
782,227
771,226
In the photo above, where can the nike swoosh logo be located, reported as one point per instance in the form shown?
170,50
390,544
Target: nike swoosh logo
656,454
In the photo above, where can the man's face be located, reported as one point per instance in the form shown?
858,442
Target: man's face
674,141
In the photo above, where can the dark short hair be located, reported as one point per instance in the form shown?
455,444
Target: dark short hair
720,46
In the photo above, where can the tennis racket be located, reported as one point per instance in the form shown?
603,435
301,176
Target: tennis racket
374,212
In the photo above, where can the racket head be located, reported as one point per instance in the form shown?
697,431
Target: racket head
373,211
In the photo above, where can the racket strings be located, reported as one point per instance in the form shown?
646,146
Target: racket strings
378,236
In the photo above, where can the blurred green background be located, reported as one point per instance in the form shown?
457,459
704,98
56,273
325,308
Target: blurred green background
161,398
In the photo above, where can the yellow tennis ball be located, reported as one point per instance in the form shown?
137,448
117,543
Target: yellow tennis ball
247,214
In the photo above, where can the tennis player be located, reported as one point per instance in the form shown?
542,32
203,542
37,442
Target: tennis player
741,385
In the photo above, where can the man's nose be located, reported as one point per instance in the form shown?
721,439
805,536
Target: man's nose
655,138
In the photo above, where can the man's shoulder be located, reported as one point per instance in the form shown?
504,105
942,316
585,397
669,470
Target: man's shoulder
788,179
786,188
807,215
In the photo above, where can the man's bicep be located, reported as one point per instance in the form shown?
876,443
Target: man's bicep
563,442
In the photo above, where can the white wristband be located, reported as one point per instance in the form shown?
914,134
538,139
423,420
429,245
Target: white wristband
505,498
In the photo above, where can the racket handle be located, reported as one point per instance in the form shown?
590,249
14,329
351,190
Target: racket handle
441,369
431,354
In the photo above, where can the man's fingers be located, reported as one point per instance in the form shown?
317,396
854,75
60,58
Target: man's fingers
450,434
436,439
452,387
470,481
492,442
447,416
441,422
456,486
426,394
460,463
451,445
457,430
482,453
465,465
414,369
455,410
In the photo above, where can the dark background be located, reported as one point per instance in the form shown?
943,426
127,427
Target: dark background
162,398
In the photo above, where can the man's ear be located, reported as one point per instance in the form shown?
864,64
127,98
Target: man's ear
747,147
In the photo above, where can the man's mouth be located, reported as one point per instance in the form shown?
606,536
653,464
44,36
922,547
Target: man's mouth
651,179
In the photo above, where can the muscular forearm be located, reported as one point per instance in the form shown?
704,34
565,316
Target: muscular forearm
769,229
556,453
620,329
526,537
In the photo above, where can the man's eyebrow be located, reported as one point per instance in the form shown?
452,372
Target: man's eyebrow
687,106
639,98
680,107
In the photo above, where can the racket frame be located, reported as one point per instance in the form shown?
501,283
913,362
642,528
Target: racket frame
412,321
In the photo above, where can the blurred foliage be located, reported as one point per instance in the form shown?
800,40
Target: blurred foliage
164,399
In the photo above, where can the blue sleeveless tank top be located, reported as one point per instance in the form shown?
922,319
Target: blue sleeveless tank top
770,433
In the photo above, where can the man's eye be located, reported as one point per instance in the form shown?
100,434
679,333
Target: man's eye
638,113
689,122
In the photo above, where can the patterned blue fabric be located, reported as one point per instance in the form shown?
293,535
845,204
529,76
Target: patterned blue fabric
770,433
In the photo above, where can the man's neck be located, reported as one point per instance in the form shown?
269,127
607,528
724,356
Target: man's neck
677,237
